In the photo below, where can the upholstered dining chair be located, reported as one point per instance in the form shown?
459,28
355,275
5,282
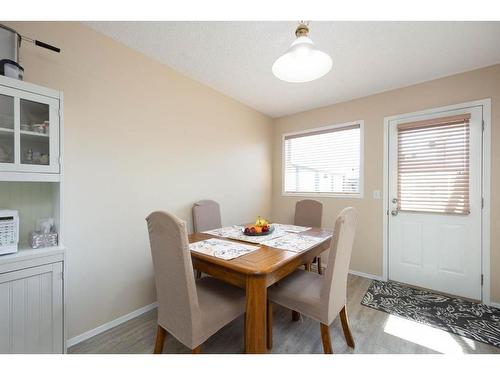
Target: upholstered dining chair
190,310
206,215
321,297
308,213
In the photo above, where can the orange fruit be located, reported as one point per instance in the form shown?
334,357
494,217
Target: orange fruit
258,229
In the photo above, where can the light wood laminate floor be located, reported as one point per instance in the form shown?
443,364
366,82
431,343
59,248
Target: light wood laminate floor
374,332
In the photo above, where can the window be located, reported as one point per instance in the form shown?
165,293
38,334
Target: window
433,165
324,161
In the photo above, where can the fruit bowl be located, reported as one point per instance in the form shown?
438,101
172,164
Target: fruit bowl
262,233
260,228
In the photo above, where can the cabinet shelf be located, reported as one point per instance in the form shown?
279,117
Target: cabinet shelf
30,177
27,253
6,130
34,134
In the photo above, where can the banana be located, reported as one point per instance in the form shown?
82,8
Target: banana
260,222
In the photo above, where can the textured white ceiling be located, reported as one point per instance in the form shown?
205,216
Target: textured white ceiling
235,58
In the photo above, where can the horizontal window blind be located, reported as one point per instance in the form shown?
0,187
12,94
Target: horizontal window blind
323,161
433,165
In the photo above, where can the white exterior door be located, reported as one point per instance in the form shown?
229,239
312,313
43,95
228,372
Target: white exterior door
428,248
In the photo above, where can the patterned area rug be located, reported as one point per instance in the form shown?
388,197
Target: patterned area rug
465,318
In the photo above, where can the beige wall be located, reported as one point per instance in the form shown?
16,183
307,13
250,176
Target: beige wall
138,137
367,254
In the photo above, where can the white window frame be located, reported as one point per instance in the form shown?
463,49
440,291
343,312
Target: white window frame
359,195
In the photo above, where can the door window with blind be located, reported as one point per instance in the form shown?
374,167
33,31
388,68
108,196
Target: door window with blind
433,165
324,161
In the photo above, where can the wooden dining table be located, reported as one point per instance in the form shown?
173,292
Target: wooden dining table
255,272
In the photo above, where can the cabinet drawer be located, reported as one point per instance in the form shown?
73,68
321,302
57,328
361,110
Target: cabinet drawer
21,263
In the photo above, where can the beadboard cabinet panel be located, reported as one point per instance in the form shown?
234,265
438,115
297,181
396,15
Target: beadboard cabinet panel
33,200
31,319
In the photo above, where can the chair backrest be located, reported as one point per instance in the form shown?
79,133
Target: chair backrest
333,293
308,213
178,309
206,216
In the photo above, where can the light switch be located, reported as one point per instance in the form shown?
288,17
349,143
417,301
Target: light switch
376,194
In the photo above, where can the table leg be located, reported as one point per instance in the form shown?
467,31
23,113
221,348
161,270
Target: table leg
255,327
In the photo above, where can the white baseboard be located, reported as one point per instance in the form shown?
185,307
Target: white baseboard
122,319
495,304
366,275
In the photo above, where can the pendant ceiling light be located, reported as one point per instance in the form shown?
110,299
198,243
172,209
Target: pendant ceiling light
302,62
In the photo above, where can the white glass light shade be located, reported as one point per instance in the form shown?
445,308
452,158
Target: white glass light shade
303,62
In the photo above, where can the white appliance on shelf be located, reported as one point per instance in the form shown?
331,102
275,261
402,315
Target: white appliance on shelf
9,231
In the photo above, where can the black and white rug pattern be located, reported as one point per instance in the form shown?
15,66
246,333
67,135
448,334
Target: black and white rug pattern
462,317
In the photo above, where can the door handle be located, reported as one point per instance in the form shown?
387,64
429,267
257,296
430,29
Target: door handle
394,212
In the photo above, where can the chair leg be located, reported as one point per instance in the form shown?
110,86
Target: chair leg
320,271
198,274
345,326
269,325
160,339
307,266
325,337
295,316
196,350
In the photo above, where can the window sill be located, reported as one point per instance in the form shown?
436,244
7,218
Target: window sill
323,195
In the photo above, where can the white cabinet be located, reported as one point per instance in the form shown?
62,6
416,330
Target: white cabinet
32,309
29,130
31,303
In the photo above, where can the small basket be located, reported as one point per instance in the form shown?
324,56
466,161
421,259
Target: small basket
39,239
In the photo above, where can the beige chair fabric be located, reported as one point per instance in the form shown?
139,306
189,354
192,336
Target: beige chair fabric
321,297
308,213
206,216
190,310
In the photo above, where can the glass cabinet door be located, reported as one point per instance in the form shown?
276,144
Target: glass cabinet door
34,132
29,132
6,129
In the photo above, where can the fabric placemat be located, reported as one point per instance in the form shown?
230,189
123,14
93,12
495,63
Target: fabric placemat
224,231
221,248
295,242
291,228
